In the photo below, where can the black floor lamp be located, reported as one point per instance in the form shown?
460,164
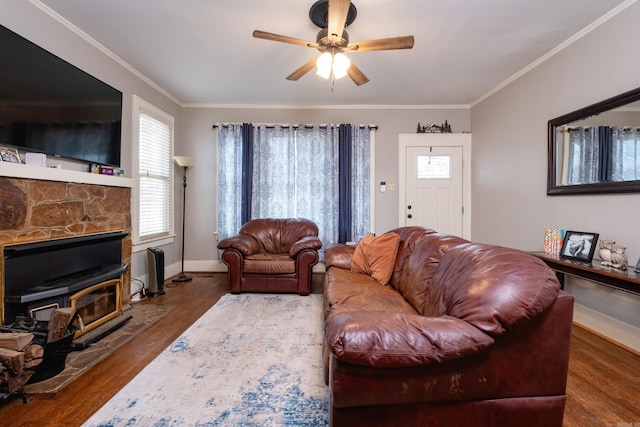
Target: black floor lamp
184,162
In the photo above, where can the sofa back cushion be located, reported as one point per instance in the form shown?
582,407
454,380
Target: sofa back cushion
492,287
277,235
421,265
409,237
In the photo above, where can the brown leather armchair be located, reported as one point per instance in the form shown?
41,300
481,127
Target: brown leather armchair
272,255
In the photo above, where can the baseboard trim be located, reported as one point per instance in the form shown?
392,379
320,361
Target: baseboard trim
620,333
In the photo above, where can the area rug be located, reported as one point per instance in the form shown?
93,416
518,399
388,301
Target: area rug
251,360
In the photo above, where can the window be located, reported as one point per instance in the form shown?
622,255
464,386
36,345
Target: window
321,173
153,146
434,167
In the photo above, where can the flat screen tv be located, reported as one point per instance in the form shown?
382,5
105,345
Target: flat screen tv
48,105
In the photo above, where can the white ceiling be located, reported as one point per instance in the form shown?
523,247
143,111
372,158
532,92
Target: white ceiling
203,52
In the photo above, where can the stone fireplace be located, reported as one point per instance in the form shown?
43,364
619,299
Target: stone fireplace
83,272
34,213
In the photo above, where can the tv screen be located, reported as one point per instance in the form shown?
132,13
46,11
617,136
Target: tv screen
49,106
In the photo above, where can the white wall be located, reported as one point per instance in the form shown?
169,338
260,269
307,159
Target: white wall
510,205
200,142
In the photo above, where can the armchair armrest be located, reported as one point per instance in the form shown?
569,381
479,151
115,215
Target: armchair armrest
339,256
308,242
400,340
247,245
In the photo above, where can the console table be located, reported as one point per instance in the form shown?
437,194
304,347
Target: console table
627,281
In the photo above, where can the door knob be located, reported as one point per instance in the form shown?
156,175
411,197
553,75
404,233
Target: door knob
409,207
409,216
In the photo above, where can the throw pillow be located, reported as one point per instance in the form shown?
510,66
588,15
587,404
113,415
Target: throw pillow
376,256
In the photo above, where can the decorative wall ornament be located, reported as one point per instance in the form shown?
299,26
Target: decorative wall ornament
435,128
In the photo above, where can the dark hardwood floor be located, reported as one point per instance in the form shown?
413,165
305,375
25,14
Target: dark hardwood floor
603,387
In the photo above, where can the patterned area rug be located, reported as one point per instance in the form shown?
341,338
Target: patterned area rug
251,360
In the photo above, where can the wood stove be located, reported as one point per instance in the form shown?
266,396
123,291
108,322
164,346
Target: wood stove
84,272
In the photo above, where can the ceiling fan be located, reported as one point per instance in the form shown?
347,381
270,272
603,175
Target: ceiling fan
332,16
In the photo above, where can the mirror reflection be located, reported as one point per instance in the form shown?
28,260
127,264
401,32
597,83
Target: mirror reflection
596,149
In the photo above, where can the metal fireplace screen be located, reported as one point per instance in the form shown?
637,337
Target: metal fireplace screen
97,304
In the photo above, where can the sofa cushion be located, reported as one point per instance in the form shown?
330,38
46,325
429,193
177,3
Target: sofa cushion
420,267
339,256
492,287
409,237
389,339
376,256
345,290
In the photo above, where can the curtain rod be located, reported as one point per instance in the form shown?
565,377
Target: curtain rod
589,127
306,126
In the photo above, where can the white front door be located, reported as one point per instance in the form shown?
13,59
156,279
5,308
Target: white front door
434,188
433,193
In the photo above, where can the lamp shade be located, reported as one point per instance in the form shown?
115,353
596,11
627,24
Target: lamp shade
324,65
183,161
340,65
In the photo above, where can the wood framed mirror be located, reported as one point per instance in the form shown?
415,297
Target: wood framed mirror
596,149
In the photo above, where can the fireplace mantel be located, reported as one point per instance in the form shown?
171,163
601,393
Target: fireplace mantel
18,170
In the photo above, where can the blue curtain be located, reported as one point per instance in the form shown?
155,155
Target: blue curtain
344,177
247,171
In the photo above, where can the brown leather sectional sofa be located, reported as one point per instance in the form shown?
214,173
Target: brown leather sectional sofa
465,334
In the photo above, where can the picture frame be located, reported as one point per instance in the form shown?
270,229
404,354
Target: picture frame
579,246
9,155
637,269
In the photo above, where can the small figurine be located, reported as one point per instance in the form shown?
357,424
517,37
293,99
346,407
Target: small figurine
606,247
618,258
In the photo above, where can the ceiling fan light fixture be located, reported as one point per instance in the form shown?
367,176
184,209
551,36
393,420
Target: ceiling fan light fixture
340,65
337,64
324,65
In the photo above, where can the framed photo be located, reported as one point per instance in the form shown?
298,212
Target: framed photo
579,246
9,155
637,269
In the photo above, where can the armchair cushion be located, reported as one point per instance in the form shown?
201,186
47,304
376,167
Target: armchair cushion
247,245
308,242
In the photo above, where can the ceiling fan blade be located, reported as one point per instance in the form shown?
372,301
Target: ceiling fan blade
337,18
392,43
284,39
303,70
356,75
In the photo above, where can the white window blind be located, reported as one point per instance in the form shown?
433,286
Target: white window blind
155,177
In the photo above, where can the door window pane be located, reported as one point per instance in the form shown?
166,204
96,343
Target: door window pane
434,167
